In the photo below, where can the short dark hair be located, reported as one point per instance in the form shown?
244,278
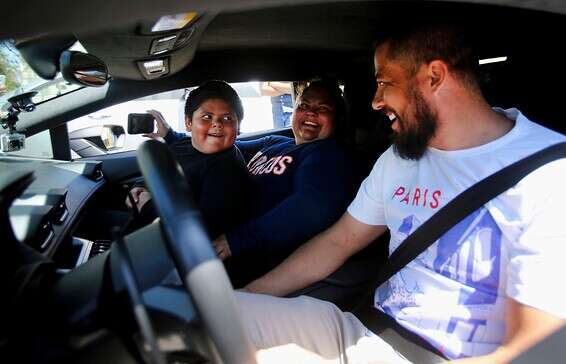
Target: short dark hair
422,44
214,89
337,97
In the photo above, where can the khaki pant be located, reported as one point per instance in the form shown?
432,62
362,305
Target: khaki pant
308,330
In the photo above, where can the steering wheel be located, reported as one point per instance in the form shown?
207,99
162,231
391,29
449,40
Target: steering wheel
202,273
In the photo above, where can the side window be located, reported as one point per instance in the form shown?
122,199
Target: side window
87,132
37,146
267,105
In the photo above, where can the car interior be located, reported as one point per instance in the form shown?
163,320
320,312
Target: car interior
76,284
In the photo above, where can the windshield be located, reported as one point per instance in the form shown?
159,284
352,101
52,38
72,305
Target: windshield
17,77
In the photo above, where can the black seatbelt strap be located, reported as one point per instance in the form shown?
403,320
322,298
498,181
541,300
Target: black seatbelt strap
464,204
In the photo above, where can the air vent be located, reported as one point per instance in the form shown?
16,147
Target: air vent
97,175
32,225
99,247
59,212
44,236
52,201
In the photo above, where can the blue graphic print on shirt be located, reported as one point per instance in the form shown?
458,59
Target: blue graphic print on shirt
470,255
407,225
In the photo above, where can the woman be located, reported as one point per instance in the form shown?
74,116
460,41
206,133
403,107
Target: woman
209,159
300,185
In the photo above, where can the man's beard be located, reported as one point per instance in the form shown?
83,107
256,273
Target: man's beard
413,137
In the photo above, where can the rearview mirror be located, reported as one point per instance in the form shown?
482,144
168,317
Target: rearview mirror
83,69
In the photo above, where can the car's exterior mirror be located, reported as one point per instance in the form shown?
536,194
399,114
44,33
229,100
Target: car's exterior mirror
97,140
113,136
83,69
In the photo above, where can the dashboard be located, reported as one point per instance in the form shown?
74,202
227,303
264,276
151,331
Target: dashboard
47,213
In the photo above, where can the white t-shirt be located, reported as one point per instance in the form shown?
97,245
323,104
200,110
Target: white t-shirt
454,293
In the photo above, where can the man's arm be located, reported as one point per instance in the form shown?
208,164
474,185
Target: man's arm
317,258
526,326
271,88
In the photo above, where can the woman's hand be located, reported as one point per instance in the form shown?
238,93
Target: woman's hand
221,246
162,126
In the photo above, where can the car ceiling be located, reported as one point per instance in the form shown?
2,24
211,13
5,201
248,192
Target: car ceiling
247,40
243,25
76,16
62,16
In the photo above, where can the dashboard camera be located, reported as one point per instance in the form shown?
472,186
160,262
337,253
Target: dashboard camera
13,141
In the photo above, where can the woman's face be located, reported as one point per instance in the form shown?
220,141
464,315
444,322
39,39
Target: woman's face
313,118
214,126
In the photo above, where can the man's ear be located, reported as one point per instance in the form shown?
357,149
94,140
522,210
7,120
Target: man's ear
437,72
188,124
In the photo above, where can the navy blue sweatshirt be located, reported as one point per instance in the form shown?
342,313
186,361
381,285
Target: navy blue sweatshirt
297,192
218,183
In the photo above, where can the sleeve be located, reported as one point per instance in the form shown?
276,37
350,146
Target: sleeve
224,195
536,259
367,207
249,148
322,187
173,135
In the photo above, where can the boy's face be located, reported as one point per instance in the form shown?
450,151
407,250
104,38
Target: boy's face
214,126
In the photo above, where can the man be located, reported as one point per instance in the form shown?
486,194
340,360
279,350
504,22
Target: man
281,101
481,293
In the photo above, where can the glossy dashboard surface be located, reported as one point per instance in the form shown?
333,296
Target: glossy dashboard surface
50,207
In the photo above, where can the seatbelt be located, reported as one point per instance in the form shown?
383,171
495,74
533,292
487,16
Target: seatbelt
462,205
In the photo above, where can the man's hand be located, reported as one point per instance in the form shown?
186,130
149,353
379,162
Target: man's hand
221,246
162,126
141,195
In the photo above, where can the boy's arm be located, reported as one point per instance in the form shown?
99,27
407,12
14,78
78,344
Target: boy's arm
249,148
173,135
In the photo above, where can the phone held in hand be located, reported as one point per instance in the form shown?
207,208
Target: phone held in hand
140,123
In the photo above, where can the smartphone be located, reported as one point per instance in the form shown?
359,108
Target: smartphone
140,123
